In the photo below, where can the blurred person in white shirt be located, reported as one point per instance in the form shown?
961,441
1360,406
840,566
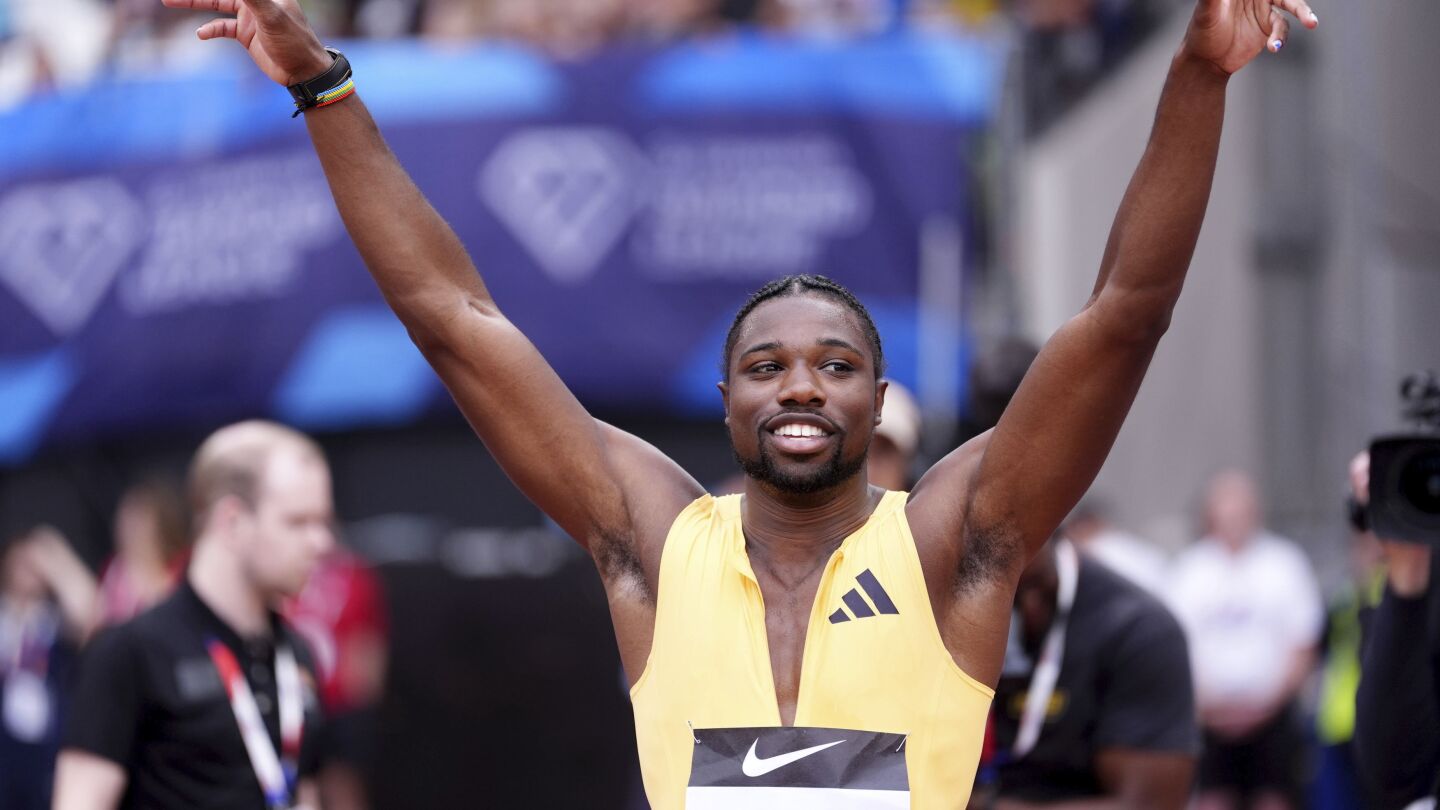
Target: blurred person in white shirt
1250,605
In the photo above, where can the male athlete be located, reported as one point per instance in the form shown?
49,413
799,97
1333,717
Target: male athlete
815,641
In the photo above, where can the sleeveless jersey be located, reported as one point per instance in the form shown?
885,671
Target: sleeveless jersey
884,716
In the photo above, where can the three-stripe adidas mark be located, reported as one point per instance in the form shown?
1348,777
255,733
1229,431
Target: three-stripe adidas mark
857,604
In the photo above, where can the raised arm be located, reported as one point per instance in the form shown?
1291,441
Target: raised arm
1060,425
582,473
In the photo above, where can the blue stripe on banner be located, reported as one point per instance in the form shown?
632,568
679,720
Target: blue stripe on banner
916,75
224,103
357,367
31,388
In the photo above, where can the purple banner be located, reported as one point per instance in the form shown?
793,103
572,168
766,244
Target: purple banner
620,210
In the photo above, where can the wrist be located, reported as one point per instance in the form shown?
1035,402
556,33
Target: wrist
1186,63
334,84
319,61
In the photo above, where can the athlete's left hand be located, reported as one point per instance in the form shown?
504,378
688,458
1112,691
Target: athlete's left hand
1230,33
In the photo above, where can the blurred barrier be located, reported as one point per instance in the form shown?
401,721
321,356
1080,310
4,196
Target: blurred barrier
169,253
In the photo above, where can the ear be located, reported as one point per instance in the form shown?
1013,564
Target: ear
880,388
227,515
725,399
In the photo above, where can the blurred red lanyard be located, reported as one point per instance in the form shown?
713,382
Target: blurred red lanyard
277,773
1047,670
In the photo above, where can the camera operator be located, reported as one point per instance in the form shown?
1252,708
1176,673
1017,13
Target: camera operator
1397,723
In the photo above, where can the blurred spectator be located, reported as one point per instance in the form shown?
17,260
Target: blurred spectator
1252,610
45,43
1067,43
1337,783
342,615
1096,536
1397,706
143,34
1107,662
209,699
152,542
840,18
897,441
46,601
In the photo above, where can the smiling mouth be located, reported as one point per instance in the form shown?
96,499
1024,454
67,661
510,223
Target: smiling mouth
794,438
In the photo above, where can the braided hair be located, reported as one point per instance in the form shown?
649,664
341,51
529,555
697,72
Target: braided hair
803,284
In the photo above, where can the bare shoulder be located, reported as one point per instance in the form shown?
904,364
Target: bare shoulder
968,574
655,491
938,502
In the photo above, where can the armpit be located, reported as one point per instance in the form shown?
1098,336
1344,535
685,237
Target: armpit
619,565
988,556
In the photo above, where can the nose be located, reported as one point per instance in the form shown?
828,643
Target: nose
801,387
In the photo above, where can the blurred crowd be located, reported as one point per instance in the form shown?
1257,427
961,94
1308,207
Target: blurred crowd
1067,44
52,604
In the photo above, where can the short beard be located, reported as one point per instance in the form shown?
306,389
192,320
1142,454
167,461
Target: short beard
832,473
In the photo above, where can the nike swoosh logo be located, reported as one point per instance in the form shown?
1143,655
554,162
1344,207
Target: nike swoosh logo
754,766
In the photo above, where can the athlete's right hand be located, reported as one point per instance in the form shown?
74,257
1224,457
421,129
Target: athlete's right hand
275,33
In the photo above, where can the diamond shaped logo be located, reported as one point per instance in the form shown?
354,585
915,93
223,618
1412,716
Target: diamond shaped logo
62,245
567,194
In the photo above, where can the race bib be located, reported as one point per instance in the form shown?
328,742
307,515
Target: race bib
797,769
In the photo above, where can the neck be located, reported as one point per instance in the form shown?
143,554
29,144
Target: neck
217,579
794,529
1236,543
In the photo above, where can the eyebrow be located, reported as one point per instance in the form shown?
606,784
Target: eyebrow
774,345
761,347
839,344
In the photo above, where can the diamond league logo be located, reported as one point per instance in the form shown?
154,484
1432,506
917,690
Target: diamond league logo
567,194
62,245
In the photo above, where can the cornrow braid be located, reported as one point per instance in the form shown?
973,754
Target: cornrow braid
803,284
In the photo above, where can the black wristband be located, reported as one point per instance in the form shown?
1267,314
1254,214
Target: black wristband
307,94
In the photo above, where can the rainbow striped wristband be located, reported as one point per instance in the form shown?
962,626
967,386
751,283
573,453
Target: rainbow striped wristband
335,84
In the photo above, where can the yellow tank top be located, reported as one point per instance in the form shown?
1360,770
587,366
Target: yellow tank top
876,680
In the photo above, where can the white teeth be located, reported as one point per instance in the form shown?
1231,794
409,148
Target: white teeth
799,431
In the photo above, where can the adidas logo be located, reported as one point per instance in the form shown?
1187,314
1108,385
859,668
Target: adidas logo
857,603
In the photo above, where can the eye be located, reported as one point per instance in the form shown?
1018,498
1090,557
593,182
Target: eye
765,367
839,367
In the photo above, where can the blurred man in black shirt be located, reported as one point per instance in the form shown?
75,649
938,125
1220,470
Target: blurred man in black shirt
208,700
1108,664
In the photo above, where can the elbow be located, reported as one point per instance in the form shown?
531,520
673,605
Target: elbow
439,327
1137,318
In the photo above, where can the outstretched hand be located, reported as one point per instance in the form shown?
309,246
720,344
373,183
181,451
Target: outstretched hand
1230,33
275,33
